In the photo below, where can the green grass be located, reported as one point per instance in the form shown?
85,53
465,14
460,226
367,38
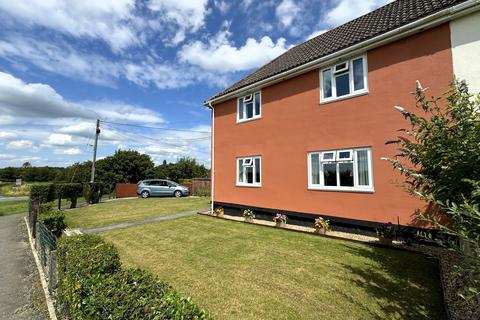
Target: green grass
240,271
130,210
11,190
12,207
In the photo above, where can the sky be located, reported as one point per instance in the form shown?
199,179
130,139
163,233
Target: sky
143,67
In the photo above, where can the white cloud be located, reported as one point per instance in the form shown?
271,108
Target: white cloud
315,34
5,135
59,139
220,55
109,20
286,12
223,6
186,15
346,10
71,151
20,144
33,100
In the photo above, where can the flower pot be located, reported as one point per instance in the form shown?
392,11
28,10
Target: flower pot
385,241
280,224
249,219
321,231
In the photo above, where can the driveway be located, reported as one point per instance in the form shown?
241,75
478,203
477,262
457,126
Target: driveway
21,294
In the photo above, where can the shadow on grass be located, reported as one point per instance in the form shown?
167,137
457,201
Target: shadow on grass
407,285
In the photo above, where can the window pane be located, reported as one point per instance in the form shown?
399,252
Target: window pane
249,171
257,104
240,170
358,82
346,174
362,166
240,108
257,170
315,158
249,106
330,174
327,83
344,155
328,156
342,83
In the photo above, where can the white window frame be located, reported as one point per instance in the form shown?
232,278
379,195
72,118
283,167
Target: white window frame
245,119
244,183
356,187
353,92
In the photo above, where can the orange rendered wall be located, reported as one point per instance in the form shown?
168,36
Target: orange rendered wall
293,123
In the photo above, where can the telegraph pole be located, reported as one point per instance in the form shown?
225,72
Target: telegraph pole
97,133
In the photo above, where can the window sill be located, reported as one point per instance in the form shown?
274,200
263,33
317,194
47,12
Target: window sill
353,95
248,120
341,189
249,185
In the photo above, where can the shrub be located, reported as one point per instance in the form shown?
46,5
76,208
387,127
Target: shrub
201,192
219,211
69,191
42,193
321,223
386,231
92,286
279,218
92,191
247,213
54,221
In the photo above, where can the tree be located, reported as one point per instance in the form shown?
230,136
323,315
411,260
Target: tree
26,165
184,168
439,155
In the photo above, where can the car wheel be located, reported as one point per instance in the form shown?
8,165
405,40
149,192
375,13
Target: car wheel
145,194
177,194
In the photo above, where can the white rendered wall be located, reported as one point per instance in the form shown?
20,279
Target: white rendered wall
465,38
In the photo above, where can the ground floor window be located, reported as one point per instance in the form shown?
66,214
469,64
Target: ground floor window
249,171
343,170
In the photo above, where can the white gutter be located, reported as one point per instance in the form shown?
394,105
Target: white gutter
402,32
212,156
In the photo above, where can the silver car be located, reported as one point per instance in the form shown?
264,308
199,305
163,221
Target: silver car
161,188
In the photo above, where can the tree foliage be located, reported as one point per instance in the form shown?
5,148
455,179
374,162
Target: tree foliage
439,155
184,168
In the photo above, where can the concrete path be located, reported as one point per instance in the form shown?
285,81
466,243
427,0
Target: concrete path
2,198
21,294
124,225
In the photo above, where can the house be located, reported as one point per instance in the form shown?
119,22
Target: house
305,133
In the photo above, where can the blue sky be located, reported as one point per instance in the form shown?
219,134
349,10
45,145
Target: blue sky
64,64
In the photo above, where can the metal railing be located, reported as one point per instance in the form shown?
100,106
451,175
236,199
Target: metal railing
46,243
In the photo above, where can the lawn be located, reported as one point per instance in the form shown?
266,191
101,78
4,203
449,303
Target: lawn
123,210
12,207
241,271
11,190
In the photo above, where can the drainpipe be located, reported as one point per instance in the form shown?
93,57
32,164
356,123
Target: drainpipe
212,156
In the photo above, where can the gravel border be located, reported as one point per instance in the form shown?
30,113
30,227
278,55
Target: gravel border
456,308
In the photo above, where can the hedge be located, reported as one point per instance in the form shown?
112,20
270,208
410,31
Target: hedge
69,191
42,193
92,285
92,191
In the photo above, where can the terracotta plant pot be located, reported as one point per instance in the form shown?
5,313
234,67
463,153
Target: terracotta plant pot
385,241
248,219
280,224
321,231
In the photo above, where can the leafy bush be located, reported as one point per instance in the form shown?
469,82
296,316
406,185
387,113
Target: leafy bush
54,221
93,286
201,192
42,193
386,231
69,191
280,218
92,191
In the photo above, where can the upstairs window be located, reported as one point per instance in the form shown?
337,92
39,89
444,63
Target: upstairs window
345,79
249,171
343,170
249,107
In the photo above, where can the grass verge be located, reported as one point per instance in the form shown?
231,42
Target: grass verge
124,210
240,271
12,207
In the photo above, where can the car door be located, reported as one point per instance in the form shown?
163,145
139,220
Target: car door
163,188
155,189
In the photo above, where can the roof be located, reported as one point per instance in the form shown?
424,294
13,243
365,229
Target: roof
387,18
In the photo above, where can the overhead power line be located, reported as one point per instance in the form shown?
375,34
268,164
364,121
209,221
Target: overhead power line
169,140
156,128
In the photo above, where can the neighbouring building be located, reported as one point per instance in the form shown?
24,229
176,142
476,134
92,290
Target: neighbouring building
305,133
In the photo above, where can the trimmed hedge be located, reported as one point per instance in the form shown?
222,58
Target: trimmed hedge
54,221
92,191
42,193
69,191
92,285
